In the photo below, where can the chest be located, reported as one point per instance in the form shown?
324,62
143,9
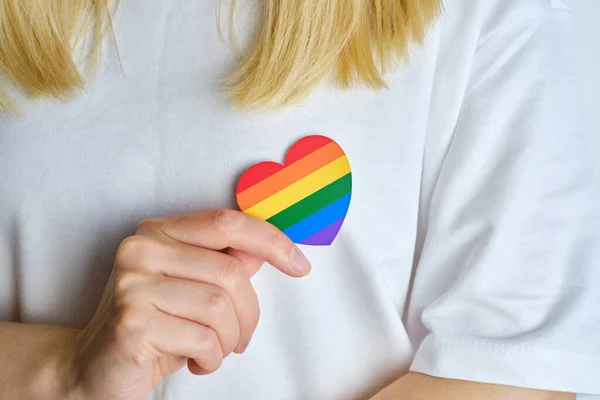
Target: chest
159,138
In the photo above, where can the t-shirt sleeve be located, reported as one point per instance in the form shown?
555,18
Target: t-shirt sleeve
506,287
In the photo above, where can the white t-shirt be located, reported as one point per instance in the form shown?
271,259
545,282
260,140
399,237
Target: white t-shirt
471,248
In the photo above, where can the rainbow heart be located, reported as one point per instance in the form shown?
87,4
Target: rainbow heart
307,197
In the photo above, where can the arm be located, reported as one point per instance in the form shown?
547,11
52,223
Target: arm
35,360
415,386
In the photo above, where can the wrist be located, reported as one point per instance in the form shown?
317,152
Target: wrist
55,375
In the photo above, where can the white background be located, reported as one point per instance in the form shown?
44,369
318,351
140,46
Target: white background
587,47
587,52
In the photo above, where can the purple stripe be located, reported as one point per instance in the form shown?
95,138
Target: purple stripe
325,236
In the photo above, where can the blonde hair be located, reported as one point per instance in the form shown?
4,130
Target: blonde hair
300,42
37,42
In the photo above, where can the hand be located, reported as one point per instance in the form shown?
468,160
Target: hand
180,293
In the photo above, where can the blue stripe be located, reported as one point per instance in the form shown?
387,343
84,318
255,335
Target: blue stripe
319,220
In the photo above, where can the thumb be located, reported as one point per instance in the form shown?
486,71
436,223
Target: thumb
251,263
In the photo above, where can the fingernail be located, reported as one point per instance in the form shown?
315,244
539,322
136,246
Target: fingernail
299,261
241,347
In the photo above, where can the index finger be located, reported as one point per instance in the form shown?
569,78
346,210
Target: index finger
223,228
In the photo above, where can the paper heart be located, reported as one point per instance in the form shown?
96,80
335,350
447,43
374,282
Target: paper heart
307,197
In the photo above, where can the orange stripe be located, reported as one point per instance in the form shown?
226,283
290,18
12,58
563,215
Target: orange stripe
290,174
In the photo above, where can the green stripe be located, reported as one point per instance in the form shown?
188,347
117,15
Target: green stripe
313,203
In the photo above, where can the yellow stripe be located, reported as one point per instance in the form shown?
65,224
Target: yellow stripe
301,189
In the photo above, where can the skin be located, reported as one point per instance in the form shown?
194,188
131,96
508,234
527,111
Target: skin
179,295
414,386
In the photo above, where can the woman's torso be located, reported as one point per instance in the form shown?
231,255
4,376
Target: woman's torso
159,138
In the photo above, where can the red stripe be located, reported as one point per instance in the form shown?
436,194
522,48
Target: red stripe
299,150
304,147
257,173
